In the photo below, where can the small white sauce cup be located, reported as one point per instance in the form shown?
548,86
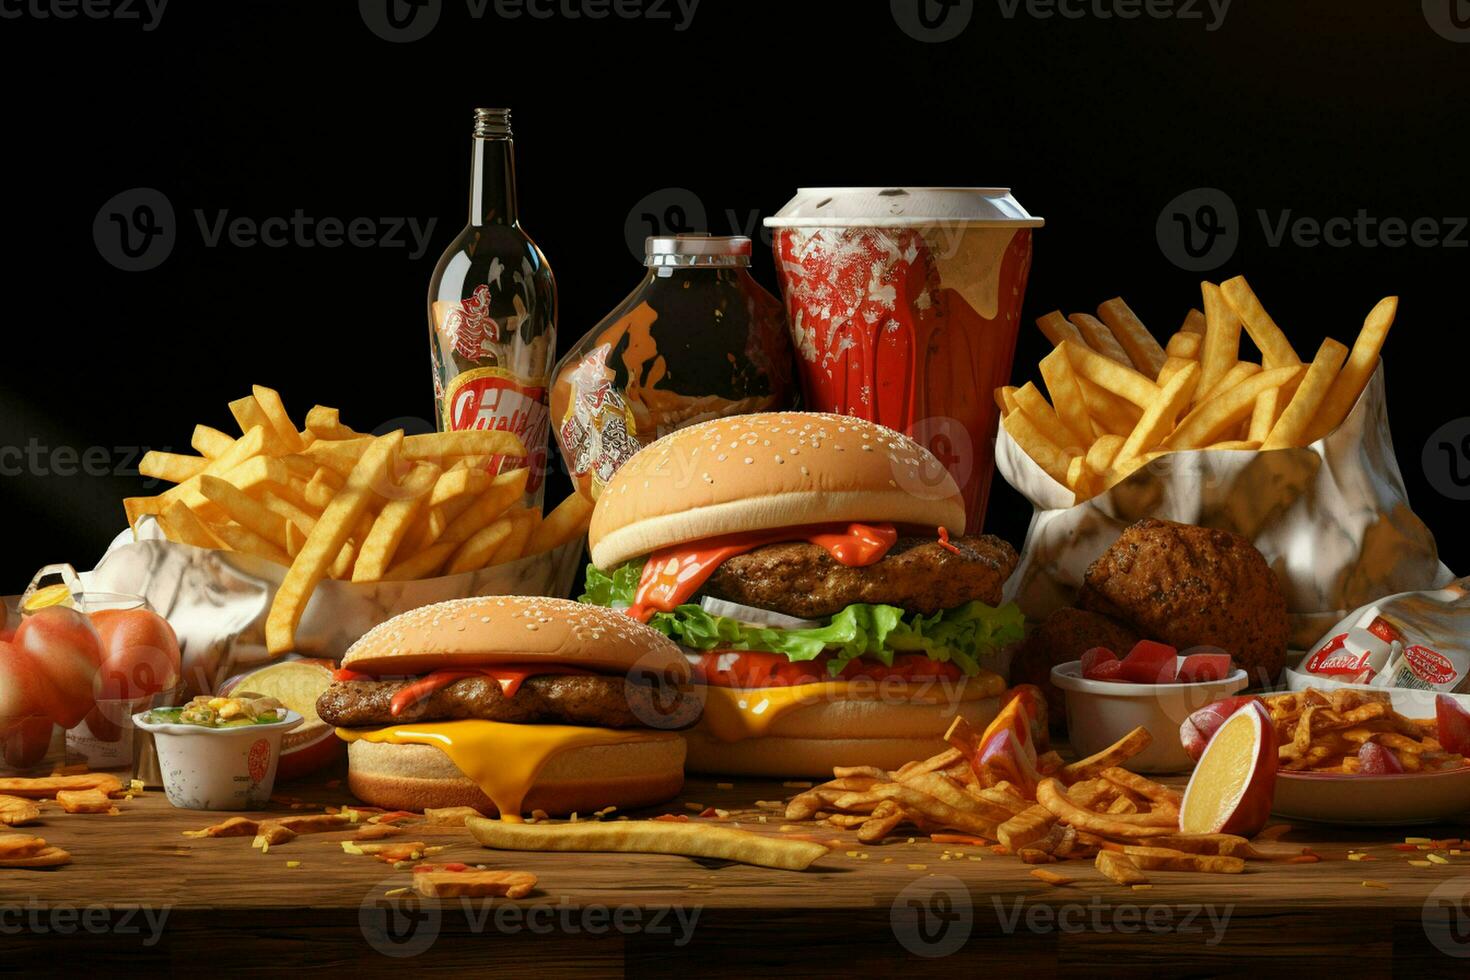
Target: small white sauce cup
218,768
1101,712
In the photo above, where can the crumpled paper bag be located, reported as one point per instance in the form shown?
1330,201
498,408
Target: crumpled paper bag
1332,519
217,601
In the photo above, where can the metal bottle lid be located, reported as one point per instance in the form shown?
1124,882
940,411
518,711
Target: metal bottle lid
697,251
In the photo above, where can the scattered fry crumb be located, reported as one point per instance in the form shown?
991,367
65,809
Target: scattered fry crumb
1370,883
293,864
724,785
1439,859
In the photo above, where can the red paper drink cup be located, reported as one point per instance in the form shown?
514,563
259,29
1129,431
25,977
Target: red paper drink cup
903,305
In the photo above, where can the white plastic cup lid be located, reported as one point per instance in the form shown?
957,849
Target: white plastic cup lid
902,207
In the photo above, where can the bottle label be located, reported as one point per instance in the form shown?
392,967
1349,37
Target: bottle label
494,398
599,431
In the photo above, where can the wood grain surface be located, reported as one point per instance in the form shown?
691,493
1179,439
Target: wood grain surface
921,907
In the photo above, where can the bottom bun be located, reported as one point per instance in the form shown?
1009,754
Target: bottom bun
579,780
815,755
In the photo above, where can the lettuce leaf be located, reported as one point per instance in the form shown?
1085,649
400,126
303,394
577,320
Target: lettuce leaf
963,635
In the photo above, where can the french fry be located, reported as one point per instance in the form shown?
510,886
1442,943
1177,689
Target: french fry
455,482
1239,371
566,521
1112,375
247,512
1143,786
1165,859
326,540
451,816
1100,339
15,811
246,541
1066,395
476,515
881,822
1142,349
1082,479
1208,421
476,552
20,845
1046,454
320,489
210,442
1360,366
46,787
1220,349
1057,328
1172,366
183,526
1114,414
1036,407
1264,414
524,521
1276,350
271,406
1234,445
49,857
1120,868
1297,418
1194,322
649,837
289,510
325,424
1134,826
1159,418
249,415
473,884
84,801
171,466
1116,754
382,541
1032,824
1103,452
430,446
1005,399
421,565
1185,345
1226,845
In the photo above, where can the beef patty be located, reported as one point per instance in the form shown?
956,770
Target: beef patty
569,699
798,578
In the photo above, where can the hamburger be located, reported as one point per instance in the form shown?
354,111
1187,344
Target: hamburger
816,572
511,704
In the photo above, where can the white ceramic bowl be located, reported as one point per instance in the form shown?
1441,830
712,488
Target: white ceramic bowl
1101,712
218,768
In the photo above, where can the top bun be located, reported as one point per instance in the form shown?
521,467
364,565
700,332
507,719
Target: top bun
765,471
515,629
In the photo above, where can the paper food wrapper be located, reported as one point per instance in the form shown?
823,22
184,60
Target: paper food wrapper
1332,519
217,601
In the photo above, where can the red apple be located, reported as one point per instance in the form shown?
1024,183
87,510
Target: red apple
1454,724
1205,667
140,654
1150,662
1375,760
1233,785
1201,726
24,743
64,652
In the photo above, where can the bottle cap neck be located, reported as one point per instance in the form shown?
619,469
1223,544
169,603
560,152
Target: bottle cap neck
697,251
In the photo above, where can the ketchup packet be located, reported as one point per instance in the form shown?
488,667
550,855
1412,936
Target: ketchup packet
1415,640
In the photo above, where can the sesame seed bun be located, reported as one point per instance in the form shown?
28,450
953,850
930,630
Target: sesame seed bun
764,471
515,629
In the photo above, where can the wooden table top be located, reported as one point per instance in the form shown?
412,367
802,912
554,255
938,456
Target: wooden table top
914,904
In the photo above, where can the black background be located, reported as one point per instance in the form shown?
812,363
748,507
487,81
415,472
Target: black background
1319,107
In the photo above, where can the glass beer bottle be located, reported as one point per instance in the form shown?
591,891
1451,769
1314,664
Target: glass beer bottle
492,313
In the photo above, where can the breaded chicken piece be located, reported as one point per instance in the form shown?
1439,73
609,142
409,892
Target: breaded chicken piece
921,575
1194,586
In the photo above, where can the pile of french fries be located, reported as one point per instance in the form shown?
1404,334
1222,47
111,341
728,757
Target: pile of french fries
1321,731
328,501
1089,809
1119,400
